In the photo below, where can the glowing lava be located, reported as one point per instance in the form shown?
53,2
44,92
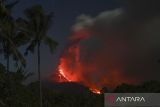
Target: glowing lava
96,91
64,78
95,66
62,75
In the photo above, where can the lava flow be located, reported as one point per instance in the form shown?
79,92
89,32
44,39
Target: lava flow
96,91
92,62
62,75
65,77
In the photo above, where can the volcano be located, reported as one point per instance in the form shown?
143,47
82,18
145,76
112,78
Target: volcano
66,87
95,58
95,73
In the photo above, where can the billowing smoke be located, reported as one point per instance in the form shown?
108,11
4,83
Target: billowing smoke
116,46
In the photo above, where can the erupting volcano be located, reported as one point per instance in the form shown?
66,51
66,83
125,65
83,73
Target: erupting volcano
71,70
94,59
90,69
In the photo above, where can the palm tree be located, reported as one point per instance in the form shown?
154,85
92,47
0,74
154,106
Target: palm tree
36,25
9,34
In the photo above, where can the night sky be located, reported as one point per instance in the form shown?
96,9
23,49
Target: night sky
135,23
66,12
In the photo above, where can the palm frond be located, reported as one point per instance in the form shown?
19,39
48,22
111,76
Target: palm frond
10,6
51,43
38,23
31,47
19,57
21,39
48,21
35,10
15,52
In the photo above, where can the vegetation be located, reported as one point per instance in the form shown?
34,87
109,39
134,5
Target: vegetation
36,26
16,94
8,35
31,32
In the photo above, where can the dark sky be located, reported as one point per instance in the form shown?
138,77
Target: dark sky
66,12
131,28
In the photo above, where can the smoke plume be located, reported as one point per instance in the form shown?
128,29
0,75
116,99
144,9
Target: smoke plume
117,46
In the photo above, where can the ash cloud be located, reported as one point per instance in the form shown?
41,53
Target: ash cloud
122,45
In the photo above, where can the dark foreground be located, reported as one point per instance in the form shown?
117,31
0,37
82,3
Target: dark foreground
14,93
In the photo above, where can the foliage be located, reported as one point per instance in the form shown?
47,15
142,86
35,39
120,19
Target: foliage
146,87
36,26
9,33
16,94
31,31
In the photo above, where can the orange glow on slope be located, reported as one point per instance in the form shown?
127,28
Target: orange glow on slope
64,78
96,91
92,69
62,74
67,73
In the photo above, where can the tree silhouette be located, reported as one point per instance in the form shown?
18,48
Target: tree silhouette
36,26
8,34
